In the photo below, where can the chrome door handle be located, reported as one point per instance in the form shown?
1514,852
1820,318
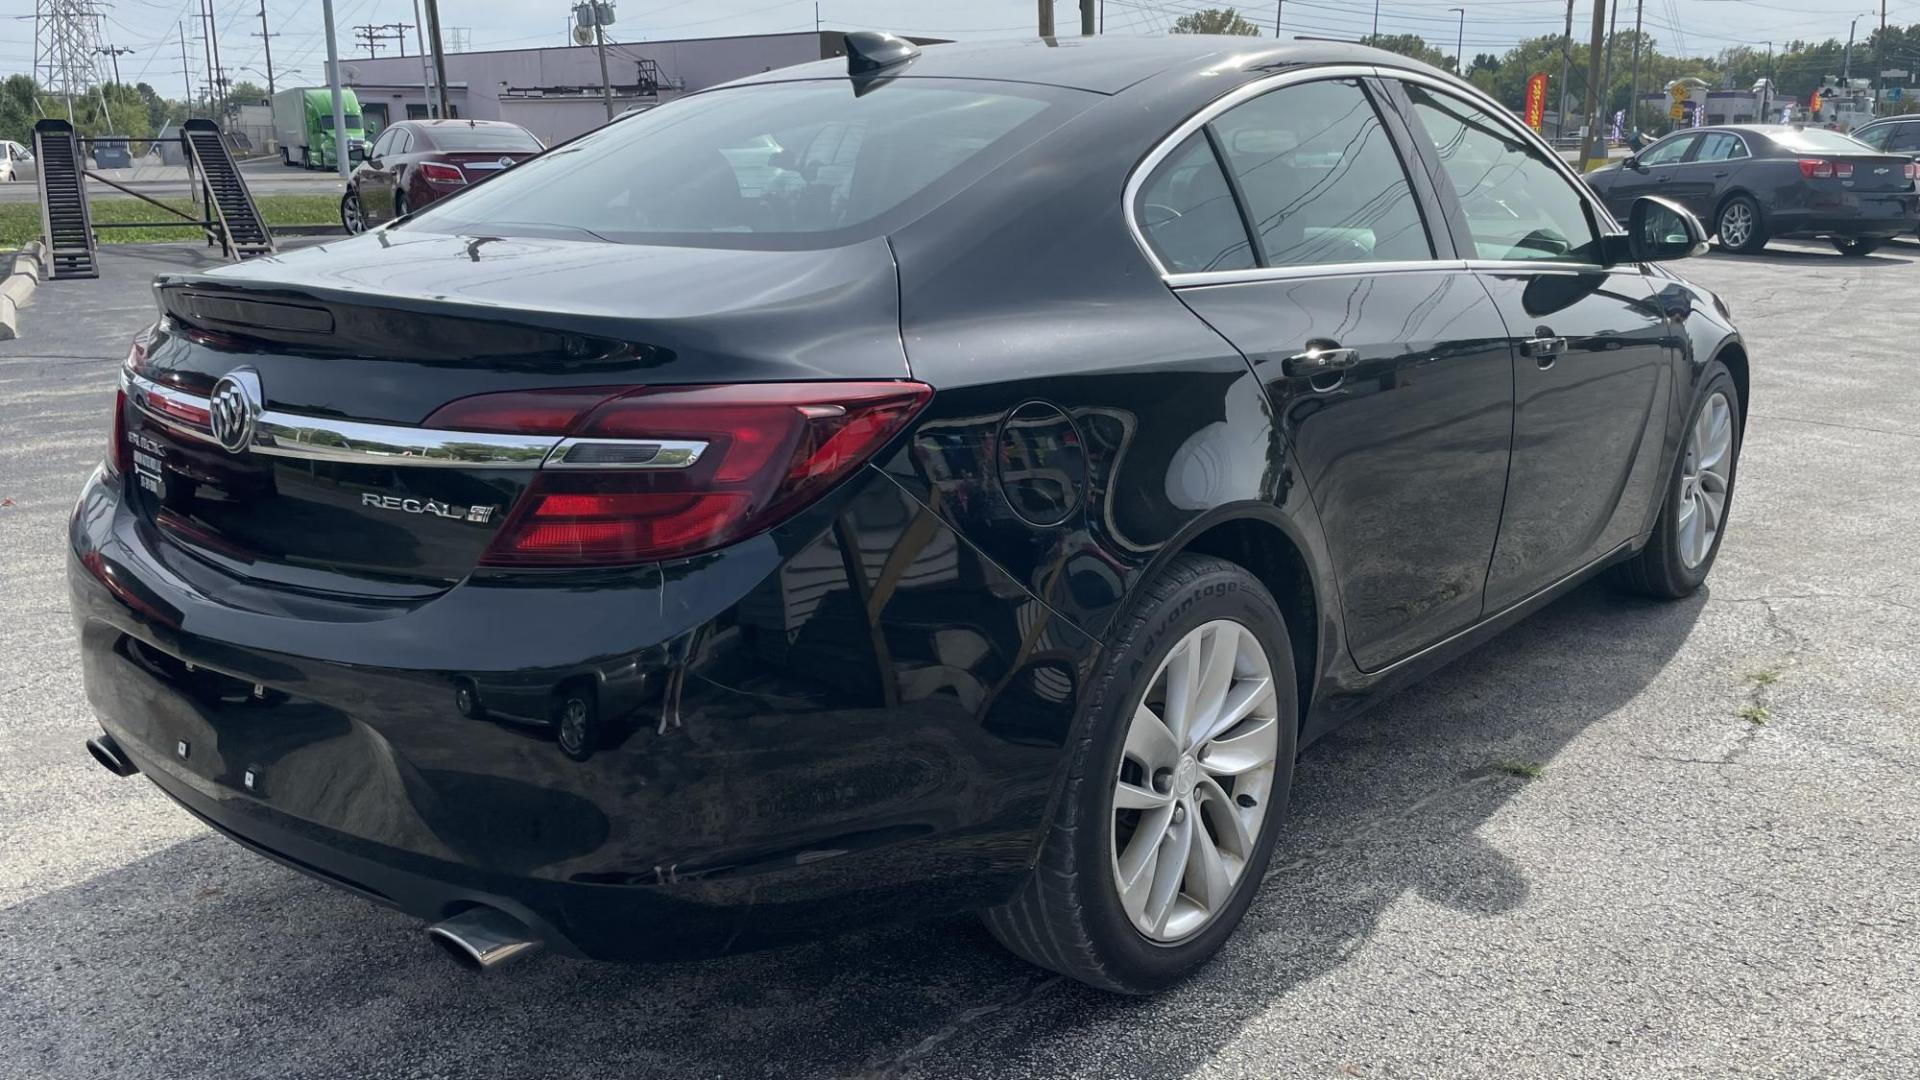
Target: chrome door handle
1319,361
1544,347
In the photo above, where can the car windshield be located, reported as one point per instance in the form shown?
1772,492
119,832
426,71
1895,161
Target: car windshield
326,120
1819,141
799,164
458,137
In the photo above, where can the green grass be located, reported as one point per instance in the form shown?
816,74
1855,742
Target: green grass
20,222
1765,678
1754,714
1525,770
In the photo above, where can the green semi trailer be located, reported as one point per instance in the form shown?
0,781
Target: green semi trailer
303,122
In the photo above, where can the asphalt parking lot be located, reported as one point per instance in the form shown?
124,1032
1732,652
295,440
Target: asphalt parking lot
1713,873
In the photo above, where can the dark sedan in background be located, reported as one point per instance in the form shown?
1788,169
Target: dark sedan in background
1759,182
416,162
914,483
1893,135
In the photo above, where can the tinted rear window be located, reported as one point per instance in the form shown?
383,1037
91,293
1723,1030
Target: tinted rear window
782,164
461,137
1820,141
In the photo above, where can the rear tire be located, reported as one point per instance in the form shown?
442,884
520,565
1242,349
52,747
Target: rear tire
1676,559
1072,915
1739,226
1855,247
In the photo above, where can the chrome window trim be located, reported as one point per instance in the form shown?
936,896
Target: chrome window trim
292,435
1535,266
1602,218
1199,278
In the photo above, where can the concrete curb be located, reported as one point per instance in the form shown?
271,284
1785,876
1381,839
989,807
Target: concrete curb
29,264
308,230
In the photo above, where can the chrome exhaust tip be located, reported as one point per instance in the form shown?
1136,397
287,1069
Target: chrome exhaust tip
110,756
483,938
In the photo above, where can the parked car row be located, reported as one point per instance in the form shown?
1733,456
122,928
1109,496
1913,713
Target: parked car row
1758,182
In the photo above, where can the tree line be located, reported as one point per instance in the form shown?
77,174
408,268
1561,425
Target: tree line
110,109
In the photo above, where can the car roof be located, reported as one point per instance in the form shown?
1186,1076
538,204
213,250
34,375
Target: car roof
460,122
1103,64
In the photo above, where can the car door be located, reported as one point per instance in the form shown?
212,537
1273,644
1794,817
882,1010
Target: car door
371,179
23,163
1711,167
1387,366
1589,343
1648,172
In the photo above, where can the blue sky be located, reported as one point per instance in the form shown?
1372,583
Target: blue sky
150,27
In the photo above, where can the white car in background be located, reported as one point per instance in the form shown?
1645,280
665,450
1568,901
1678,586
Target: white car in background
16,162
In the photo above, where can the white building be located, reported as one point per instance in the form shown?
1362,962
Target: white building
555,92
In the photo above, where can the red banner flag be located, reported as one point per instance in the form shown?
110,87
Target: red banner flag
1537,100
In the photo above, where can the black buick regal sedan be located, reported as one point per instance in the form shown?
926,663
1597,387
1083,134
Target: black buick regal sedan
924,482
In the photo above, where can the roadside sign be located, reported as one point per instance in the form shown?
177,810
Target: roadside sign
1678,112
1536,100
1893,93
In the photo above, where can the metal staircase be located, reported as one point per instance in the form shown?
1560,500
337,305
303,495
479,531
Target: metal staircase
241,233
64,220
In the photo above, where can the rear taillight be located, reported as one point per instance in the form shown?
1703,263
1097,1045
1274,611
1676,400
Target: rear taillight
1817,168
119,454
1913,170
667,472
442,174
1843,169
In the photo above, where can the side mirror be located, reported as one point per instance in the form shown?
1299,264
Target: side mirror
1631,161
1659,230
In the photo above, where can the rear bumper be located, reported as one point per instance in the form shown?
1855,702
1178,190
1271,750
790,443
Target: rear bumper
767,765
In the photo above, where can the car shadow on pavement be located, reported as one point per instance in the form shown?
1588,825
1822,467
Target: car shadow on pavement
204,960
1902,255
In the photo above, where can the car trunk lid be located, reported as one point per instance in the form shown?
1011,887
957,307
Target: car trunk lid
350,350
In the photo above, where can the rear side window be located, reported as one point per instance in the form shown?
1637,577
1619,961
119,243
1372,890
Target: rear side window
1517,205
460,137
1875,137
1187,212
773,165
1720,146
1904,137
1320,177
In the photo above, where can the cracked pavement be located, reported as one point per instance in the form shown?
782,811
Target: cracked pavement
1682,892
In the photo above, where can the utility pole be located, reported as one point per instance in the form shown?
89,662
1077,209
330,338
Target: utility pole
1566,72
1376,23
206,53
1279,6
1592,118
600,46
439,57
1633,92
186,69
1606,78
1086,18
1460,45
426,66
266,40
1046,18
340,151
116,52
368,35
219,69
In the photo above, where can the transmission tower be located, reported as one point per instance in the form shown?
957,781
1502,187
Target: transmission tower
67,48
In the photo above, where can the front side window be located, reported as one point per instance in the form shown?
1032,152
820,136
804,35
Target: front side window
1187,212
772,165
1320,177
383,145
1517,204
1669,152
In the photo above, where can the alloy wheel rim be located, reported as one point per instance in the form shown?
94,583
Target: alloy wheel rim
350,210
1735,224
1194,779
1703,481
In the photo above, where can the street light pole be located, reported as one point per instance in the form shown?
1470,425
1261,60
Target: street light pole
340,150
1460,45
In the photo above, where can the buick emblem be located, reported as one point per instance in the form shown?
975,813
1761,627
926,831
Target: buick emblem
234,408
